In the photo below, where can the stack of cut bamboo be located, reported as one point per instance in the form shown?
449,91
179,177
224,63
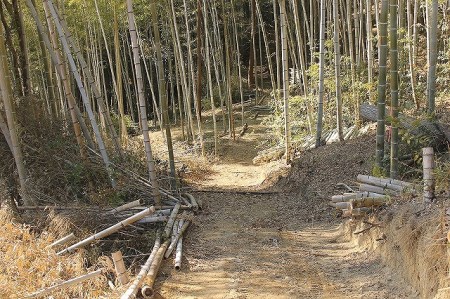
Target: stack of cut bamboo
373,192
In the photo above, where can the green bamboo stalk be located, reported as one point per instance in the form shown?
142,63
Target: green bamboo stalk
394,87
432,53
382,82
321,73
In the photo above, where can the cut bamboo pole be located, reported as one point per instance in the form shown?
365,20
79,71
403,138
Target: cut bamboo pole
66,284
341,205
179,249
175,240
384,183
428,175
349,196
119,266
369,202
154,219
147,290
126,206
139,279
169,225
193,201
110,230
376,189
62,241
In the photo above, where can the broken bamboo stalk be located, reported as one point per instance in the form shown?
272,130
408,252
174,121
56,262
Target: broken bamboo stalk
384,183
139,279
66,284
62,241
376,189
171,220
428,175
147,290
119,266
126,206
341,205
192,200
110,230
177,237
349,196
179,249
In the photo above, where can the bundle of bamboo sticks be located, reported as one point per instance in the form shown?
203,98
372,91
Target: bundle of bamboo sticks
373,192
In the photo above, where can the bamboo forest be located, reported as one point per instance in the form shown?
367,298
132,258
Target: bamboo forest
224,149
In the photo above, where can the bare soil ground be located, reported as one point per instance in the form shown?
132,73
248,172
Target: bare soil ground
269,232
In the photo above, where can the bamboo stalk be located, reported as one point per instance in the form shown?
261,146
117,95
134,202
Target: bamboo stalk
138,280
376,189
153,219
147,290
175,240
349,196
428,175
179,249
126,206
341,205
62,241
119,266
379,183
171,220
110,230
194,203
383,181
66,284
369,202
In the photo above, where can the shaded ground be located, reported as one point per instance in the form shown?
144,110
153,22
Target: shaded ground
287,243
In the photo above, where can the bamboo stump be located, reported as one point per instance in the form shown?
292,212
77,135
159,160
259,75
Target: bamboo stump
428,175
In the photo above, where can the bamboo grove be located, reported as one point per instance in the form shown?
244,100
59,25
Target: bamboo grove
160,63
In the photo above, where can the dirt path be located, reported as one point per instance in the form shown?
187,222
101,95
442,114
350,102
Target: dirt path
285,244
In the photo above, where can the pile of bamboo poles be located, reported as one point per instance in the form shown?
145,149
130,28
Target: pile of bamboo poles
177,219
373,192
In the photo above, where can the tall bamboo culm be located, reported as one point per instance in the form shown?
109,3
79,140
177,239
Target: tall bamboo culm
394,87
285,68
321,73
382,82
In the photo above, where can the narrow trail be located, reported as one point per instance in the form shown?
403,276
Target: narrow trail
284,244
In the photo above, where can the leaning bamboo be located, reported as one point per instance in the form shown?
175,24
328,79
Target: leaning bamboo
175,240
62,241
66,284
171,220
382,181
126,206
139,279
349,196
179,250
147,290
110,230
376,189
428,176
119,266
379,183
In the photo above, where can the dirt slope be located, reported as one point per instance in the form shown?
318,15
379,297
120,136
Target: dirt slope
285,244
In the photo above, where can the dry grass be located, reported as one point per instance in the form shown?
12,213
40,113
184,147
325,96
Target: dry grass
26,265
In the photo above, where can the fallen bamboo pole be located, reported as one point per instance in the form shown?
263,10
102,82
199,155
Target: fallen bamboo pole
349,196
147,290
171,220
154,219
139,279
193,201
369,202
374,179
126,206
341,205
119,266
66,284
177,237
179,249
62,241
110,230
376,189
379,183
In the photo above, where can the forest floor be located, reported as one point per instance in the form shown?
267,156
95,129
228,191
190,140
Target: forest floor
266,230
